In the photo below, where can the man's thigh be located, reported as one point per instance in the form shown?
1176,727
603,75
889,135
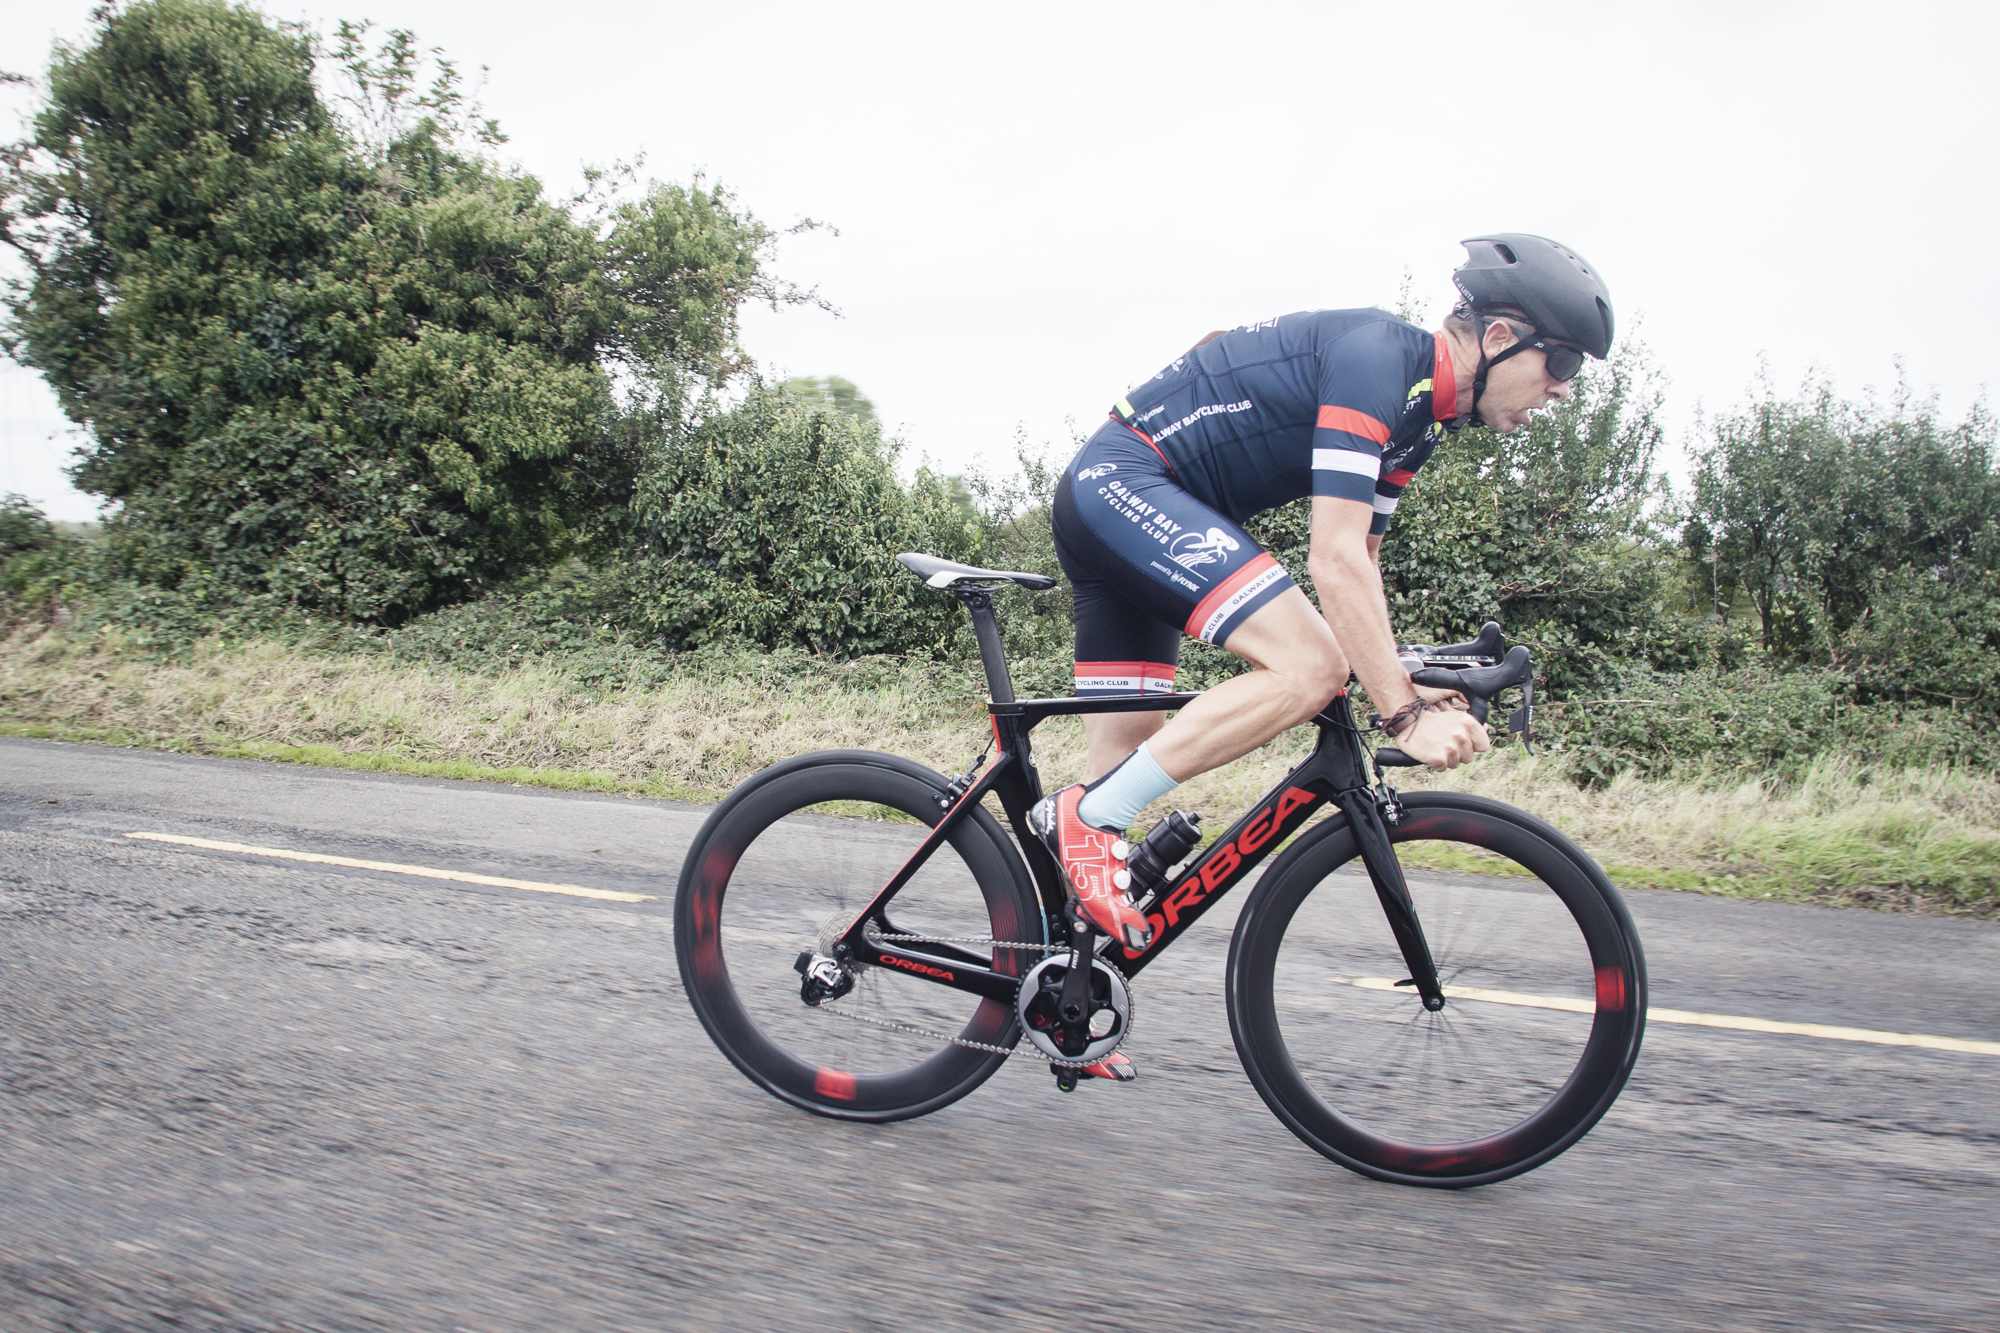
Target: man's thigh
1129,530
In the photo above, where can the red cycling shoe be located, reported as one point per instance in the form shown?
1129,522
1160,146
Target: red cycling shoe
1093,860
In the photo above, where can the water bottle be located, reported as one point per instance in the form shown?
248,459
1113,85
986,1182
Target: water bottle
1164,848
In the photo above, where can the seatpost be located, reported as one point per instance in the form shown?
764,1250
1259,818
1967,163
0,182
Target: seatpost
986,628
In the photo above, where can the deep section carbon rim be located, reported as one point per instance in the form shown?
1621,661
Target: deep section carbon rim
1544,984
786,863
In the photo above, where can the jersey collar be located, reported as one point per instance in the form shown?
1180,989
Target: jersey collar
1444,381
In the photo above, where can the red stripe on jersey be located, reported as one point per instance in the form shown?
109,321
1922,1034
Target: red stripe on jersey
1444,383
1228,589
1353,422
1400,477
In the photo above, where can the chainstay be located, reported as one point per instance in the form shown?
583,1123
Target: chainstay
891,1025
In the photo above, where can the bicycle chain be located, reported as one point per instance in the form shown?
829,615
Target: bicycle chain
891,1025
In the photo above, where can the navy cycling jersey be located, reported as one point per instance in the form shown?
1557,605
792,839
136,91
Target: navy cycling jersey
1325,402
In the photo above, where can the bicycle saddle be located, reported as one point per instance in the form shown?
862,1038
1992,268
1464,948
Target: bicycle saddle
947,573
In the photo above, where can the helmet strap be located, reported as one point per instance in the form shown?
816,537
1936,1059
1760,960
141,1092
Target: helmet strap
1479,323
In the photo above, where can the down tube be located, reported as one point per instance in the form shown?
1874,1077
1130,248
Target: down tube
1232,856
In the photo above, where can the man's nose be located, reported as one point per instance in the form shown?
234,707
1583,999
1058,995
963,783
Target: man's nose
1562,390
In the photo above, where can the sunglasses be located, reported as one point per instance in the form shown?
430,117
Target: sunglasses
1564,361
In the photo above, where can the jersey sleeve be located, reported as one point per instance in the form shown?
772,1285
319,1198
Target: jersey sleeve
1396,474
1363,379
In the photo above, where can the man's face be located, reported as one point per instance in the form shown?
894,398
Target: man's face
1518,387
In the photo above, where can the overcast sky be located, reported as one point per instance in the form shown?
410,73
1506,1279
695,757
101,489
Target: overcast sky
1040,204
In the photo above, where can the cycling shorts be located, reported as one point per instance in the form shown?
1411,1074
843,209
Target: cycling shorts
1148,563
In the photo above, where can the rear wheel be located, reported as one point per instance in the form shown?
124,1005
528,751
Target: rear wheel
1545,990
784,865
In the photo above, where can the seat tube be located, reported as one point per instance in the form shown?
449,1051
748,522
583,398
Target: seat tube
986,628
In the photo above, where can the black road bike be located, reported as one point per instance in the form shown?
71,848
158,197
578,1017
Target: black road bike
1453,1034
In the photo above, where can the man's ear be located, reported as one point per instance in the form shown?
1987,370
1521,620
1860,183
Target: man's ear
1499,337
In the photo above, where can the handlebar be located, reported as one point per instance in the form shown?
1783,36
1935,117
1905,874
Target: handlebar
1479,684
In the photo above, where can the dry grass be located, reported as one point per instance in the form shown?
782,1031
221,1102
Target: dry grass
1924,840
1912,839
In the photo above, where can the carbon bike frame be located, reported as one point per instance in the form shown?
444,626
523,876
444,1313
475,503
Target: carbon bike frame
1335,771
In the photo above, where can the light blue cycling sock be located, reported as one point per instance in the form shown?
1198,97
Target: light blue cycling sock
1116,799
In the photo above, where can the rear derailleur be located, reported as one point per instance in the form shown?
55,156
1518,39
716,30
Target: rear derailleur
823,979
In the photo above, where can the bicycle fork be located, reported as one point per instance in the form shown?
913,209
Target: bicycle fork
1379,856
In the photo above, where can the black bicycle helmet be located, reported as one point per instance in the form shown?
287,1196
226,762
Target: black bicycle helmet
1561,295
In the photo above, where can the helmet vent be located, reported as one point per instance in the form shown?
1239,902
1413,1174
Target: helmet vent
1506,254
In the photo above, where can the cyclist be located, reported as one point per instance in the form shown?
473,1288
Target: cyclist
1342,405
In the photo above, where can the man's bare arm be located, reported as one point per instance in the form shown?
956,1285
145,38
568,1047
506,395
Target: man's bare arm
1344,562
1346,569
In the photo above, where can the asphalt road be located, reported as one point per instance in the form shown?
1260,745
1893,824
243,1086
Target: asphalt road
243,1093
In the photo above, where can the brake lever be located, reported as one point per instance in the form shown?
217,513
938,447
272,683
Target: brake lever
1522,722
1477,686
1445,678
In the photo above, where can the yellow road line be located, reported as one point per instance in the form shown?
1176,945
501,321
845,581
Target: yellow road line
390,867
1687,1016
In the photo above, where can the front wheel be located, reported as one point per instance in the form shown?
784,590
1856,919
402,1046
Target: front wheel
1544,983
784,866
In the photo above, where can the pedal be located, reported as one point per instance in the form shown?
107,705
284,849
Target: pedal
1066,1076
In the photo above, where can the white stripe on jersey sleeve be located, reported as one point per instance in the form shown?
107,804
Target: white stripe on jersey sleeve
1347,460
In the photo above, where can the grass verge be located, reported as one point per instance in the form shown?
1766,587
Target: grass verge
1925,840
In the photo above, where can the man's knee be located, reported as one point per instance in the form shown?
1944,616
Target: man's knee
1310,669
1317,678
1288,638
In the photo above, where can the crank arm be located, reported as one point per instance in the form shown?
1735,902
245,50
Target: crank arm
1379,856
1073,1002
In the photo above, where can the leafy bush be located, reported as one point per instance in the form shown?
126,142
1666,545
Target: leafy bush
1756,722
778,522
23,527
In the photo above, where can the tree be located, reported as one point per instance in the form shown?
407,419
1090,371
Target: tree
1864,536
340,364
835,392
1803,503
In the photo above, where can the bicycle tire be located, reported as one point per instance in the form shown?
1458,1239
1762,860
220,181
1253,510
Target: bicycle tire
1541,1025
761,883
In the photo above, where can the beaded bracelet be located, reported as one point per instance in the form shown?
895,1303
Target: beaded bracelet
1403,718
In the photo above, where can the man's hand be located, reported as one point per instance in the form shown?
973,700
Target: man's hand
1447,698
1443,738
